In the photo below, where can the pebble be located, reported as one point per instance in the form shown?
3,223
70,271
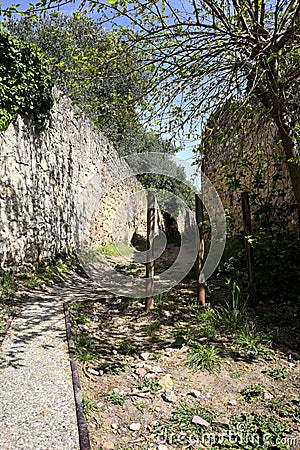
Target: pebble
117,320
162,447
156,369
232,402
93,371
108,446
145,356
199,421
135,427
115,426
195,393
166,381
223,421
141,372
169,396
267,395
168,351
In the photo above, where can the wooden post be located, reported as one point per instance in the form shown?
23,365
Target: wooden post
150,245
200,257
249,249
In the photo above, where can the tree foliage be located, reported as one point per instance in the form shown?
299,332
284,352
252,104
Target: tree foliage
25,81
93,67
204,52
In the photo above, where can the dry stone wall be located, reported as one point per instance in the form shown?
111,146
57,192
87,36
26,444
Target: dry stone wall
52,183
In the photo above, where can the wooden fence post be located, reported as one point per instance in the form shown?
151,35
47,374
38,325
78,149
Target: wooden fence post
150,245
249,249
200,256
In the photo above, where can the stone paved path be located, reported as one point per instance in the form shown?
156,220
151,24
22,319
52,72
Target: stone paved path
37,407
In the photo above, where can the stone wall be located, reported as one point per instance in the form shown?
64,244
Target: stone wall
52,184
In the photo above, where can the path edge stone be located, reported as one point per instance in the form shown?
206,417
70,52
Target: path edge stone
84,440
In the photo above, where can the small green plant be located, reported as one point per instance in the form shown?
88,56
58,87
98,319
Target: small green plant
45,273
206,330
77,306
286,409
204,357
89,405
159,299
113,368
82,319
126,348
257,427
116,399
180,424
237,374
85,350
246,338
7,285
152,384
232,315
277,373
140,406
119,249
153,328
156,356
205,315
252,391
184,336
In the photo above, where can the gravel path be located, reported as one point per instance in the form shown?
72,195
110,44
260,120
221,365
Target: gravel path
37,407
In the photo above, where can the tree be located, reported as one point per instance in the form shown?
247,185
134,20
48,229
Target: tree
94,67
25,81
206,52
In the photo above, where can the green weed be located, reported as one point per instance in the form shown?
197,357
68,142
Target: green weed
181,424
152,384
85,350
183,336
140,406
119,249
232,315
89,405
7,285
252,391
113,368
246,338
125,348
153,328
46,273
277,373
204,357
82,319
116,399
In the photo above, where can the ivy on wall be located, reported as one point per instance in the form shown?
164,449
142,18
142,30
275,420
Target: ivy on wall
25,81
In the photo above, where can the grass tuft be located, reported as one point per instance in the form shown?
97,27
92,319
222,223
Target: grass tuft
204,357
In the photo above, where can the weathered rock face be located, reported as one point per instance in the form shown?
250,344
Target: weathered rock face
51,184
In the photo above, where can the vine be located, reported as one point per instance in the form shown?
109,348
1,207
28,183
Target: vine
25,81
